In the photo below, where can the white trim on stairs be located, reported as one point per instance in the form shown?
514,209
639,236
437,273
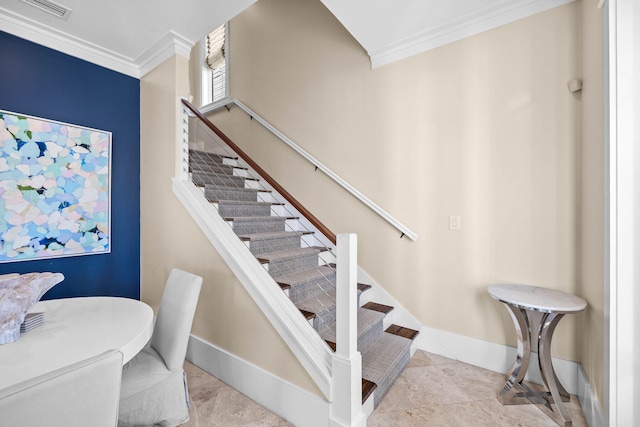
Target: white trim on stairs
308,347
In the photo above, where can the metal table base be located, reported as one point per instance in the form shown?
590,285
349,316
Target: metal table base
535,313
535,329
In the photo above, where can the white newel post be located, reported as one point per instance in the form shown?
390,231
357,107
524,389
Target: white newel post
346,393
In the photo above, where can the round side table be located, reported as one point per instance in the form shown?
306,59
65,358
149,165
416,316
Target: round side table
536,312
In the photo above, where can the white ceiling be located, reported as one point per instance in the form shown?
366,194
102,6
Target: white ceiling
133,36
124,35
393,30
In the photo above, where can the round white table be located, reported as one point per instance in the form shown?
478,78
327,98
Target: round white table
75,329
536,312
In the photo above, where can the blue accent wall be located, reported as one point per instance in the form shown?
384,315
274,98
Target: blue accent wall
42,82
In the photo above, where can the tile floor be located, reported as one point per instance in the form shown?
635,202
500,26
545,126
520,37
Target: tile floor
432,391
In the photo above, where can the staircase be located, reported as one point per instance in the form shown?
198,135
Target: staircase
302,267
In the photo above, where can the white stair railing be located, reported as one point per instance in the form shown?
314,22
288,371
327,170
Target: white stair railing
404,230
341,379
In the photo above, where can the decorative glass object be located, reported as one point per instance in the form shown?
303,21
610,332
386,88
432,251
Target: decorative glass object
18,294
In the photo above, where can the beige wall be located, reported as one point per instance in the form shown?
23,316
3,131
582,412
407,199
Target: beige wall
226,314
484,128
592,196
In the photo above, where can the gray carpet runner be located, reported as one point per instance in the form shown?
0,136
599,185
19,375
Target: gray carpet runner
309,282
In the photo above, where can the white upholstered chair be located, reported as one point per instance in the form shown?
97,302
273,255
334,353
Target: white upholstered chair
82,394
154,390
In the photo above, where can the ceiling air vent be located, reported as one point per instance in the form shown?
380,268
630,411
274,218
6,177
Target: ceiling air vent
51,7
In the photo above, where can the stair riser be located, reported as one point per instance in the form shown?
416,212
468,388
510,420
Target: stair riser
324,317
202,179
303,290
281,267
220,193
211,168
205,158
385,384
274,245
370,335
233,210
250,226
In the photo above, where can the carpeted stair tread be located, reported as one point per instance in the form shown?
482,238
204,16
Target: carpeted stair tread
402,331
216,167
287,261
266,218
322,305
308,282
253,224
202,179
367,321
272,241
225,187
208,156
219,177
384,360
212,168
233,208
272,235
218,193
289,254
292,279
244,202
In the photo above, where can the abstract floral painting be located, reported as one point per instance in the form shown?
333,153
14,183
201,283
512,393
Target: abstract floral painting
54,189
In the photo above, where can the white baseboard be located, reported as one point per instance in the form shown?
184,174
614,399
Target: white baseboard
588,402
302,408
500,358
296,405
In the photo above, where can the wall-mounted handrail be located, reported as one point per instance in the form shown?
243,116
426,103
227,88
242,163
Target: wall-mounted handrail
316,163
272,182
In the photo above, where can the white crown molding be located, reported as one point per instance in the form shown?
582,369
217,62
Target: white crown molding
171,44
46,36
468,26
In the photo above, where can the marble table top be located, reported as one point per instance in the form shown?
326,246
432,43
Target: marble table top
537,298
76,329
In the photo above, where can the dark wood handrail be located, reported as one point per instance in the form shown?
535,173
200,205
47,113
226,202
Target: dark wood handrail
272,182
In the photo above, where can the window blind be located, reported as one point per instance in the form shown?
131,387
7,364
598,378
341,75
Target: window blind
215,48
